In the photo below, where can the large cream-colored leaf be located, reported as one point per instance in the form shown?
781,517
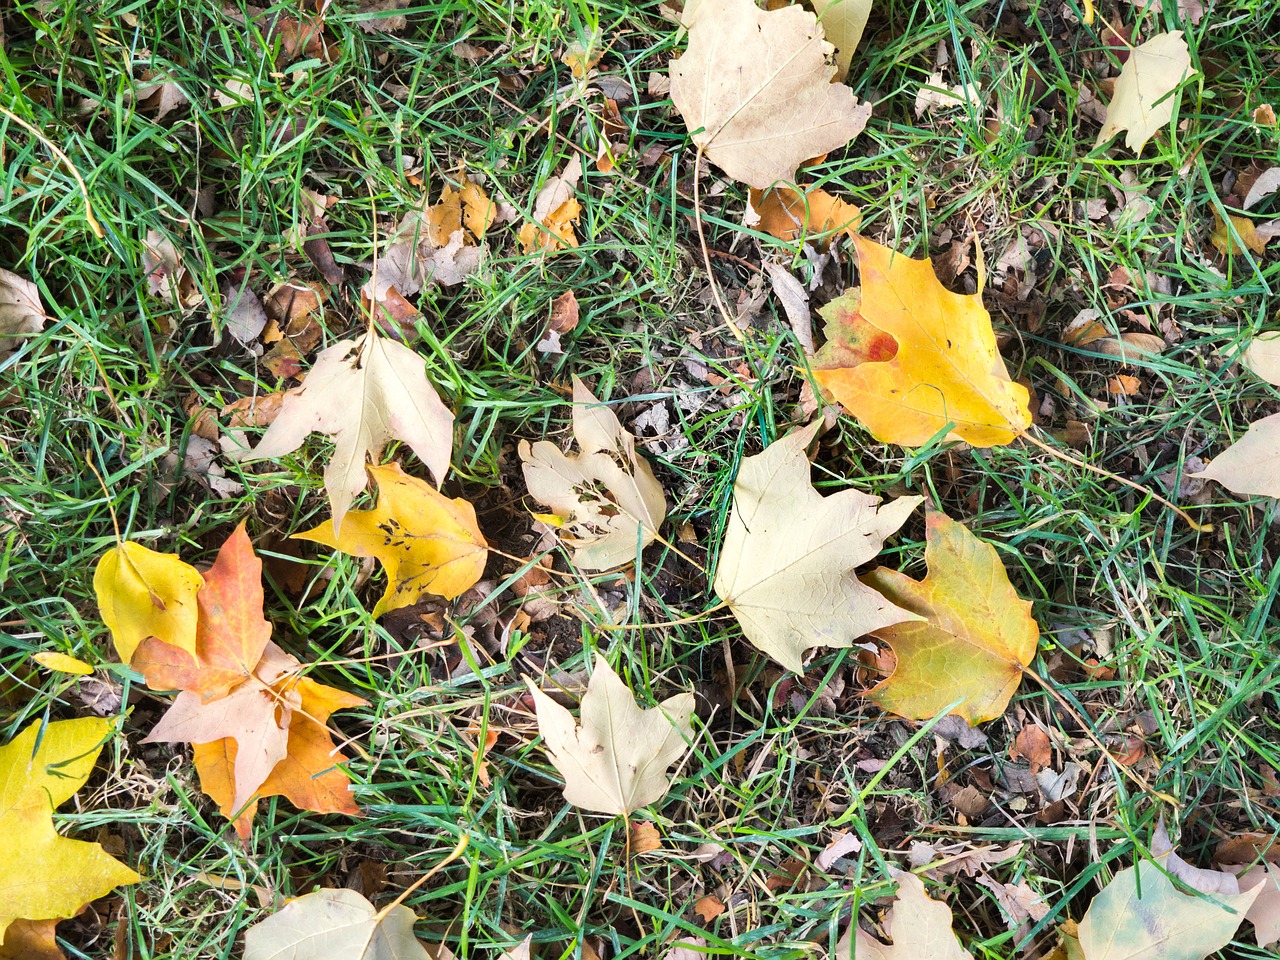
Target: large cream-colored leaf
1144,97
363,393
1141,915
608,492
755,90
44,876
919,926
1251,465
614,759
334,925
787,562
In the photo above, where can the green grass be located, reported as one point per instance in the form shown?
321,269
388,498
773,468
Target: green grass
1183,622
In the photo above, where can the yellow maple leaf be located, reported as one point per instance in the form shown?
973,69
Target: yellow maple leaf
977,635
427,542
947,369
143,594
44,876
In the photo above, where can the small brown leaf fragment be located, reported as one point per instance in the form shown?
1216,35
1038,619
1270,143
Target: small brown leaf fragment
564,313
316,247
708,908
256,411
31,940
789,215
583,54
1084,328
1224,238
1123,385
21,313
1264,115
644,838
1033,745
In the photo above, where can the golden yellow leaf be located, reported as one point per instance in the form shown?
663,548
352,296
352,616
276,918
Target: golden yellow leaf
427,542
790,215
967,656
143,594
1246,229
947,369
62,663
44,876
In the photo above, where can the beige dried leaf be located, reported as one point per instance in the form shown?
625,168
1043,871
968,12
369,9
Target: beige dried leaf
755,91
1145,90
614,758
919,926
788,558
1262,357
21,313
608,492
334,925
362,393
1251,465
843,22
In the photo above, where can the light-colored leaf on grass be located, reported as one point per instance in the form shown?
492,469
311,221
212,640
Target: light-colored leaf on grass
334,925
1145,90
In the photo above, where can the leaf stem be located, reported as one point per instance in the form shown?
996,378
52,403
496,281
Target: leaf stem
454,855
94,225
706,255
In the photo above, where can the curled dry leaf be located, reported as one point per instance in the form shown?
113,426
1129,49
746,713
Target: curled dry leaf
614,759
973,635
555,211
44,876
144,594
787,562
21,313
755,91
335,925
613,503
362,393
945,371
1145,90
919,926
427,542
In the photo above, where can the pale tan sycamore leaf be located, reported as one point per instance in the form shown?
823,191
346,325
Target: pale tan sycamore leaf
1141,915
608,492
1145,97
334,925
1264,914
788,558
362,393
614,758
755,91
843,22
1251,465
21,313
919,926
1262,357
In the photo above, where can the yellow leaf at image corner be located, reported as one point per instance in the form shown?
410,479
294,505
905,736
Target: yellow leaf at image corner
427,542
144,594
947,369
44,876
789,215
62,663
977,635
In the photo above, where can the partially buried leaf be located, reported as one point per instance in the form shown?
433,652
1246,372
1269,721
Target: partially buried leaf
614,503
555,211
1251,465
334,925
814,214
1141,915
144,594
614,759
1252,236
1264,913
946,369
427,542
755,91
231,632
919,926
1145,90
843,22
31,940
363,393
787,562
44,876
21,313
966,656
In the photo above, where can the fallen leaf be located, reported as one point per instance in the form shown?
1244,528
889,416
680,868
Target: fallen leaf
380,16
1213,882
1264,912
967,655
644,838
31,940
919,926
162,97
614,503
795,303
947,370
242,312
21,313
167,276
1267,183
791,215
1141,915
556,209
1017,901
1192,10
44,876
1251,465
1262,357
844,843
521,951
843,21
708,908
1224,237
787,561
144,594
614,759
426,542
334,925
362,393
582,54
1145,90
936,94
62,663
754,88
564,313
231,632
1033,745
